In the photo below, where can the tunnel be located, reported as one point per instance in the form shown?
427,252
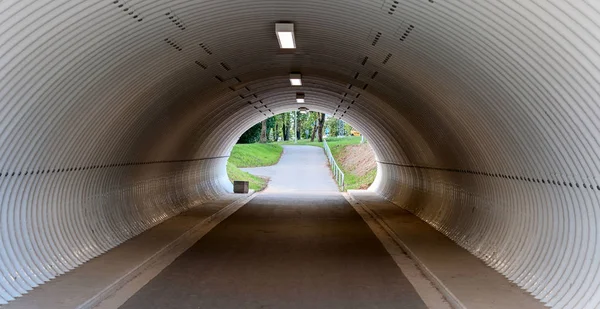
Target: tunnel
118,115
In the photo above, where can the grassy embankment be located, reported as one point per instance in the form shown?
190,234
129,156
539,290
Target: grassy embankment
359,174
252,155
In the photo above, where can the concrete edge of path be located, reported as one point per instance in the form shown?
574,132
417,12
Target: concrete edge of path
116,294
430,293
464,280
109,280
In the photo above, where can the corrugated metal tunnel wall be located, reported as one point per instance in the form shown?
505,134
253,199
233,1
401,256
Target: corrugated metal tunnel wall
115,115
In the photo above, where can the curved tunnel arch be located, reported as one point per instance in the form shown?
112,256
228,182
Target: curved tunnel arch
483,117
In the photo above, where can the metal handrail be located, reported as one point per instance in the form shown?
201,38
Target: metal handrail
335,169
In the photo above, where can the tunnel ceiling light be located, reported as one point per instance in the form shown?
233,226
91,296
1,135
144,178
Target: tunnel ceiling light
296,79
303,110
285,35
299,97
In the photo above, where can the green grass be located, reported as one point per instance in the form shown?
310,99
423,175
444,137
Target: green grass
354,182
255,155
338,142
252,155
254,182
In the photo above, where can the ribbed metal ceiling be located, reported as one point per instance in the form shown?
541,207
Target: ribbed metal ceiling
115,115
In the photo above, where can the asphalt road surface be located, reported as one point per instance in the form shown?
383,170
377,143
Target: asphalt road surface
283,250
300,169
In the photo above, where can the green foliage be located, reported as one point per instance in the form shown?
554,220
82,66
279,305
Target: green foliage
347,129
251,135
337,127
271,121
306,122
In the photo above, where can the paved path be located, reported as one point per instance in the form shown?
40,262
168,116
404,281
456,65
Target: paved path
301,168
287,250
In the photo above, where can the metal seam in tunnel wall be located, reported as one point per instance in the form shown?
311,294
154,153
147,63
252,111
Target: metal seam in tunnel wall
499,175
483,117
91,167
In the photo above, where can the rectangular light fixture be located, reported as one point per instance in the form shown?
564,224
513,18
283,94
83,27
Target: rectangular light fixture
299,97
303,110
296,79
285,35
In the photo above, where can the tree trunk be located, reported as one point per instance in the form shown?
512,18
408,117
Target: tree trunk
276,133
285,127
321,125
298,126
263,131
314,130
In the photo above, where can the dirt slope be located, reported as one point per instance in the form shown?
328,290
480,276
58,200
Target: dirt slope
358,159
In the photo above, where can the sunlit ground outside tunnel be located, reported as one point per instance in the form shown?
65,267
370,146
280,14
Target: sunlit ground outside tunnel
289,152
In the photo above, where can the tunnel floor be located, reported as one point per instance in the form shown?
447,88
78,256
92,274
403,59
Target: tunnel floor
283,251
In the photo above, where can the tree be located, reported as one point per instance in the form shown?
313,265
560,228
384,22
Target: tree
337,127
270,126
332,125
263,131
321,126
315,125
285,126
251,135
303,124
347,129
298,125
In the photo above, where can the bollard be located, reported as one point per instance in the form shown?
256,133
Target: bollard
240,186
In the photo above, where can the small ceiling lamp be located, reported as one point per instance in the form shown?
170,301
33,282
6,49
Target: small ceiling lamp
285,35
296,79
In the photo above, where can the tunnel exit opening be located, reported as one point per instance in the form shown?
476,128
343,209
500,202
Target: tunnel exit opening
302,151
